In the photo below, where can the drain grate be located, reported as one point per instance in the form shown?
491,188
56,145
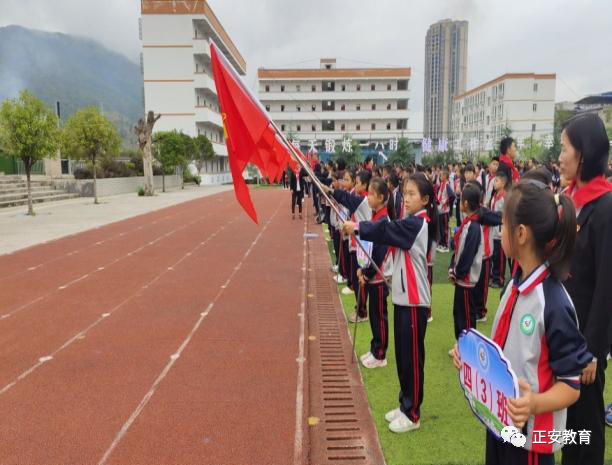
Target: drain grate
345,432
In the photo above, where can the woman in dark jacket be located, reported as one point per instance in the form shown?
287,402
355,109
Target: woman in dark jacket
584,157
297,186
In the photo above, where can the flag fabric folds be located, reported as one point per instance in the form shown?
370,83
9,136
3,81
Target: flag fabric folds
249,135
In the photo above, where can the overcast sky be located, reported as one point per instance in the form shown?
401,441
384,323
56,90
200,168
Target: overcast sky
570,38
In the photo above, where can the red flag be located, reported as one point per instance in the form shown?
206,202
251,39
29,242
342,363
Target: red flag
249,135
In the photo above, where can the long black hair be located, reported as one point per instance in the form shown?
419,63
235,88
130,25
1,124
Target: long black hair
551,219
426,188
588,136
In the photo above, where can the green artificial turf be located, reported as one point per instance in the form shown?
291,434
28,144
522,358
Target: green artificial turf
449,432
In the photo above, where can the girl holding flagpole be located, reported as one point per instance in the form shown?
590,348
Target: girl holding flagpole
411,238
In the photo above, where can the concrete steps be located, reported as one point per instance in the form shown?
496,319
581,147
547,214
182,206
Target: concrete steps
14,192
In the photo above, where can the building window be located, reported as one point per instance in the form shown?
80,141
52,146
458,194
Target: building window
388,126
282,88
282,107
343,127
314,108
283,127
373,87
298,108
388,86
373,106
358,127
267,88
298,88
267,107
388,106
299,128
533,127
343,87
402,85
358,108
535,107
373,126
313,88
342,107
358,87
535,87
313,128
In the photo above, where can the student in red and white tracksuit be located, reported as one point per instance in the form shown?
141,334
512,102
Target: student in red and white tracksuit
411,295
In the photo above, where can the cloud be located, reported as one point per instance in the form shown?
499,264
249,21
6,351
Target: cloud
545,36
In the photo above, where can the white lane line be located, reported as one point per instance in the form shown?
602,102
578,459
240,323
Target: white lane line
129,254
32,268
81,334
173,358
299,390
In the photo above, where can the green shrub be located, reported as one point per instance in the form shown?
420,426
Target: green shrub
141,191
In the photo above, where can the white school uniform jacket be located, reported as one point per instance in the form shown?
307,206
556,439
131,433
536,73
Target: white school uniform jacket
466,262
497,205
488,188
357,207
543,345
409,238
444,197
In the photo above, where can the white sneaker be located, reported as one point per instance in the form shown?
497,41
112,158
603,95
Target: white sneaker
334,268
392,414
440,249
402,424
339,279
430,319
347,291
450,353
482,320
374,362
366,356
355,319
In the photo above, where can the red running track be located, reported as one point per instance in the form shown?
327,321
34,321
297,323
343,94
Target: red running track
168,338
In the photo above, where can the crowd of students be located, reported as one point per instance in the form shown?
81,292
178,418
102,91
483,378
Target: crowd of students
550,224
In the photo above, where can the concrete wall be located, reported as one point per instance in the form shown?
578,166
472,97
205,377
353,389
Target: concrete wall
114,186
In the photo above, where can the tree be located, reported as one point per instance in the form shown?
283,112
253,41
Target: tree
144,131
203,151
352,157
90,135
170,150
404,154
30,131
533,149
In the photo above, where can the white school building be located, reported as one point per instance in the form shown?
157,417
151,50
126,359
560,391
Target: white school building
521,102
322,107
178,80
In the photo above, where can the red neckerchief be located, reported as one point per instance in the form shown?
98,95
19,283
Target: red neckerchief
592,190
380,214
423,214
465,221
441,193
498,196
505,159
528,285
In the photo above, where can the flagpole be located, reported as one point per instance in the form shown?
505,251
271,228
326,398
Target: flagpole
319,185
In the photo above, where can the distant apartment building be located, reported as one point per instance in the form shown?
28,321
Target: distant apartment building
523,103
446,45
321,107
178,80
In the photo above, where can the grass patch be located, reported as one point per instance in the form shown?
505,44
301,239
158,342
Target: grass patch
449,433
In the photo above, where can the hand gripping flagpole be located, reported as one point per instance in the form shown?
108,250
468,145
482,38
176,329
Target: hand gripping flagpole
331,201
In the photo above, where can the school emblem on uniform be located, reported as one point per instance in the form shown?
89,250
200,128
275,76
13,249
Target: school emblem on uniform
527,325
482,356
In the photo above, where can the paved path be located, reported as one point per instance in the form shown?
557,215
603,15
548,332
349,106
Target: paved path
168,338
59,219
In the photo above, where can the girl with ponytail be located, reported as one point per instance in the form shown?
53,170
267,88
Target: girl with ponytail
536,324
